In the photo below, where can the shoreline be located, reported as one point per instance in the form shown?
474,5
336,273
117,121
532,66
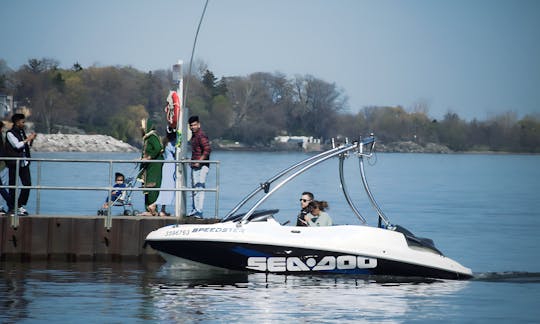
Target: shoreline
51,143
80,143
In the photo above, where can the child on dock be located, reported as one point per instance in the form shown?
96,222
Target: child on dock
115,194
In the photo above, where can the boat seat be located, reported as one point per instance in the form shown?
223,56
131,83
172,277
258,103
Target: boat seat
413,240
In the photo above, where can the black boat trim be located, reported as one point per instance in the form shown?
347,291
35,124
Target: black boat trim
291,260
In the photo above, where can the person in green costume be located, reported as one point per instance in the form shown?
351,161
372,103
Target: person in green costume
151,172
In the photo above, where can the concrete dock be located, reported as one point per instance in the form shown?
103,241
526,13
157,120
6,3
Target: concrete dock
81,238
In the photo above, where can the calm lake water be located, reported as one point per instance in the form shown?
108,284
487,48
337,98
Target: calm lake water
481,210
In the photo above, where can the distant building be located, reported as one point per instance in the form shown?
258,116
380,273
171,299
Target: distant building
6,105
307,143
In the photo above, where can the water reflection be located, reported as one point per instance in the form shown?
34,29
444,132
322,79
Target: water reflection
13,303
191,295
131,292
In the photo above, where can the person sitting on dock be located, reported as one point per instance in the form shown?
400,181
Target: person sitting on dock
317,216
115,194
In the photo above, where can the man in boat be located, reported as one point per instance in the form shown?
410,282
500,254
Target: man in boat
306,198
200,150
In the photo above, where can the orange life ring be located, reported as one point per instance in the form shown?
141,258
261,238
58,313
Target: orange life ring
172,110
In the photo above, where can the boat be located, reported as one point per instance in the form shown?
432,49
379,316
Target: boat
255,241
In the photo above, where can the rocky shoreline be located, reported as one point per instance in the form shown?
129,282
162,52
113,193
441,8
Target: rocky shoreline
394,147
80,143
412,147
104,143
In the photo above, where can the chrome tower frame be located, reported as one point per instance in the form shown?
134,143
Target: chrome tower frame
363,149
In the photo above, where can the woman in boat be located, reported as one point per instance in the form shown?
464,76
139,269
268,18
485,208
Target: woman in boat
317,216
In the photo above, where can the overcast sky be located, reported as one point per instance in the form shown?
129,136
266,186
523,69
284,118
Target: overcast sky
477,58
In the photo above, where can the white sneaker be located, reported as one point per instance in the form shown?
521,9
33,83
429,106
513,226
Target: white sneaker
22,211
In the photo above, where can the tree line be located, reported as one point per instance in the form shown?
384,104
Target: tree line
251,109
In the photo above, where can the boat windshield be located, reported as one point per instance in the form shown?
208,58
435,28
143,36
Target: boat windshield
257,216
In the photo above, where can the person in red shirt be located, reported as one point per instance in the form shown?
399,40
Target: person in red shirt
200,151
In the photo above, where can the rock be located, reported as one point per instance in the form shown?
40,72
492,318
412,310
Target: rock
411,147
80,143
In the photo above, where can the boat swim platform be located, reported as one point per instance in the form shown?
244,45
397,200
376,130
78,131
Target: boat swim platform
83,238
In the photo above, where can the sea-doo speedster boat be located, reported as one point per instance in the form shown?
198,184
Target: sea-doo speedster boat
256,241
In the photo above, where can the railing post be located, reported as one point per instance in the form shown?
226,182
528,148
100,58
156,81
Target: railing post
181,137
14,218
183,149
217,190
108,218
15,215
38,191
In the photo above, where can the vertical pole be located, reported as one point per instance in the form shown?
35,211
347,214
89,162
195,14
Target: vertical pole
15,215
179,209
183,150
107,221
38,192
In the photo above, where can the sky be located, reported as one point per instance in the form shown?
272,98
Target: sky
476,58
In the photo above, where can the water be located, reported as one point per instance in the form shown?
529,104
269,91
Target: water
482,210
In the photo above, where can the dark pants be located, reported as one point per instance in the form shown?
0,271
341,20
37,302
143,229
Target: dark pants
24,175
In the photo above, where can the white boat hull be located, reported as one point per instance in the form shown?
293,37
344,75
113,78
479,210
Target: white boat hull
267,246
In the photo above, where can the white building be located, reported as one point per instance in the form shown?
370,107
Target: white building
303,141
6,105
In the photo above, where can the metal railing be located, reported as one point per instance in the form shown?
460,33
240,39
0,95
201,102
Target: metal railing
37,163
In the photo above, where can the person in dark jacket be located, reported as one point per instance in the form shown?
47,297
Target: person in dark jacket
18,145
307,197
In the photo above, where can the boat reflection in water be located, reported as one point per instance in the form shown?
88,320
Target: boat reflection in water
196,295
255,241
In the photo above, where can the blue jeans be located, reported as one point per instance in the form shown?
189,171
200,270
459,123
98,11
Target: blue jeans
198,180
5,193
